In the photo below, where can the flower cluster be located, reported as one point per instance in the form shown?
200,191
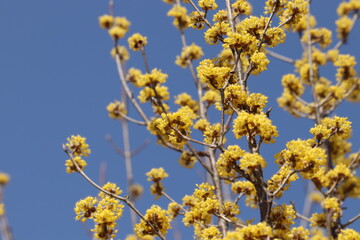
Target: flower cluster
117,26
104,211
156,175
158,218
173,127
78,147
303,156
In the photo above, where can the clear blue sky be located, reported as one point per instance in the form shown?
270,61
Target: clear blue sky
56,78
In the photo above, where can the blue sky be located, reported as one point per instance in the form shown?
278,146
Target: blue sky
56,78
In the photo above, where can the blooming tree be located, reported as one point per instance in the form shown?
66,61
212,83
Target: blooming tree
325,160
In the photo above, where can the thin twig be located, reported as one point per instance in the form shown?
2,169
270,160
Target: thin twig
129,94
200,14
123,199
280,57
351,221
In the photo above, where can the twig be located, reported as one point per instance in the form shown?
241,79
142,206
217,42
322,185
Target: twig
203,18
123,199
280,57
351,221
129,94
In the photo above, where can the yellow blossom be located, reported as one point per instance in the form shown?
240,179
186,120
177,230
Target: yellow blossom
189,54
229,160
207,5
187,159
181,20
110,187
250,161
302,155
215,33
202,124
348,234
70,167
85,208
185,99
137,42
241,7
134,76
260,62
122,52
156,217
116,109
2,209
214,76
278,179
210,233
117,32
333,206
247,124
4,178
106,21
122,22
197,20
260,231
78,146
322,36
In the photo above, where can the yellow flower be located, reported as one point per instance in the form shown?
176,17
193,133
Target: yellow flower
106,21
258,231
122,52
85,208
4,178
247,124
173,209
241,7
189,54
322,36
122,22
278,179
137,42
348,234
78,146
187,159
229,160
2,209
151,79
196,20
185,99
181,20
214,76
170,125
210,233
135,191
158,218
212,134
116,109
117,32
245,187
156,175
215,33
110,187
207,5
260,62
333,206
134,76
250,161
70,167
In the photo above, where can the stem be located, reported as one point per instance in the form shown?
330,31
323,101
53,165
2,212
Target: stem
123,199
127,90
